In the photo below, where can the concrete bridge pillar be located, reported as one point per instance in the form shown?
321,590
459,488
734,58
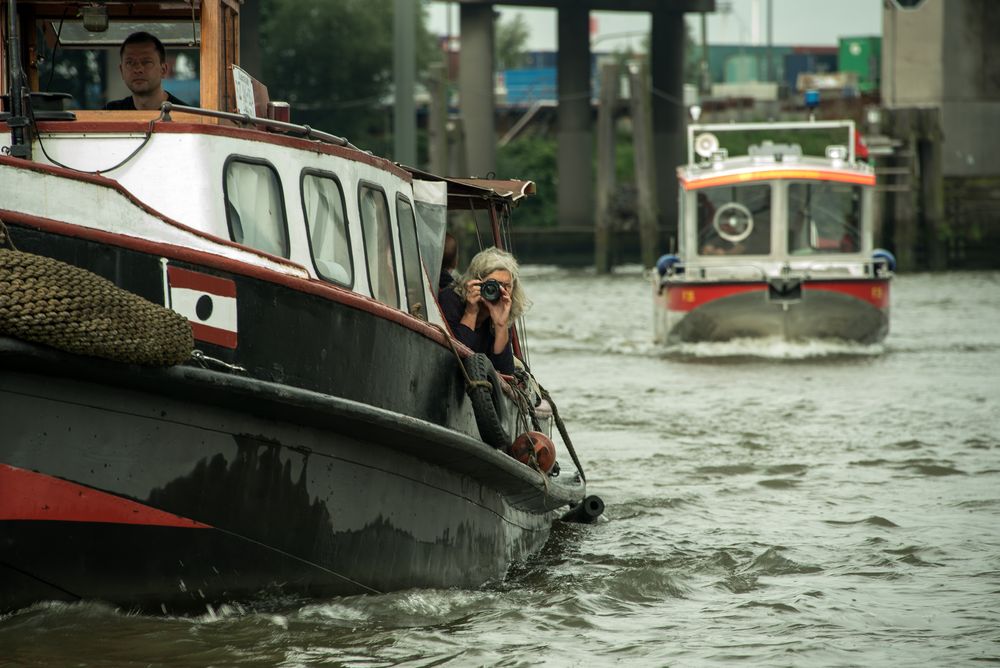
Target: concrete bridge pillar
576,141
669,113
475,87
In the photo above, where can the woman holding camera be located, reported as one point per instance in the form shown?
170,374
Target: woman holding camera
482,305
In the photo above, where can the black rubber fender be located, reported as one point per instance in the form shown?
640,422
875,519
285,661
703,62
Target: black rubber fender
487,402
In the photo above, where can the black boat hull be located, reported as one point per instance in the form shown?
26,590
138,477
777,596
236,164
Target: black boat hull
244,487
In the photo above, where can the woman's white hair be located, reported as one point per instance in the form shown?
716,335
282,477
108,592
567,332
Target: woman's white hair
484,263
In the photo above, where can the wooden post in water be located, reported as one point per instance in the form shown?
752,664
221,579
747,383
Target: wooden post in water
645,170
932,188
604,219
905,200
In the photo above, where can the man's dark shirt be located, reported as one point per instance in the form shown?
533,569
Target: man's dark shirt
481,339
128,104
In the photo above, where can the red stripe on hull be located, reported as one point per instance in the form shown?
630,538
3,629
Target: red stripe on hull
875,293
220,337
26,495
688,297
195,280
683,298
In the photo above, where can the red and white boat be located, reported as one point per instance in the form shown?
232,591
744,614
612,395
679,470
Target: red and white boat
773,243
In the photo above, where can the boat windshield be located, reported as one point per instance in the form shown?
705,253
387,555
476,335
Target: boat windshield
84,64
823,217
734,220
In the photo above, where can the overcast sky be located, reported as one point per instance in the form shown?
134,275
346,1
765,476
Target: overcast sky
796,22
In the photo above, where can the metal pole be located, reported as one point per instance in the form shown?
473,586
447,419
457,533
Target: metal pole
705,84
17,122
770,40
404,75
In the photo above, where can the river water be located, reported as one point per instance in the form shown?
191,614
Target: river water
767,504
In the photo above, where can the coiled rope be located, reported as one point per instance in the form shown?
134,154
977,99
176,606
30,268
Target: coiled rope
46,301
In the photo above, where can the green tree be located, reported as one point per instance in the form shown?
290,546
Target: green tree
332,61
532,158
510,42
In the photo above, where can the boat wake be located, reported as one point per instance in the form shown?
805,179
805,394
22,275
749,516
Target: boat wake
774,348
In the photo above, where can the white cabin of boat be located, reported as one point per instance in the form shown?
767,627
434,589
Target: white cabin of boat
774,211
219,178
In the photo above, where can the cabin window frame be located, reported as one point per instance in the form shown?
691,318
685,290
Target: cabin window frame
325,174
698,243
423,313
250,160
809,250
365,185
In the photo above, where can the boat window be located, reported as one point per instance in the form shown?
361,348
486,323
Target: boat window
323,207
84,64
734,220
412,273
377,233
255,210
824,218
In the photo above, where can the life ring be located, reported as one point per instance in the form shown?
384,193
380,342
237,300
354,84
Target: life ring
733,222
487,402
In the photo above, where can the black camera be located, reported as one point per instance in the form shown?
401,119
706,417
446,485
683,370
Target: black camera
490,290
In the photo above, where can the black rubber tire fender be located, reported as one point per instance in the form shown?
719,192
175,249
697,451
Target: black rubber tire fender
487,403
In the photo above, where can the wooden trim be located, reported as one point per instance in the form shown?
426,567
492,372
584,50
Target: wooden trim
211,58
230,56
131,117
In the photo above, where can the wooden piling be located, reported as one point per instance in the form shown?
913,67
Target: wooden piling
604,222
645,169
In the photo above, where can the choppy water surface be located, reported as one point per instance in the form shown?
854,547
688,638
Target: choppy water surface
766,503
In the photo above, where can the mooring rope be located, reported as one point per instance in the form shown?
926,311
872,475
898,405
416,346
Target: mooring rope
46,301
563,432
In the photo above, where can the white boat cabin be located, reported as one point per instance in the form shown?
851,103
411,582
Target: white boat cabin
774,211
217,176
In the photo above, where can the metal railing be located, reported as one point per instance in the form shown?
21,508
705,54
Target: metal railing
304,131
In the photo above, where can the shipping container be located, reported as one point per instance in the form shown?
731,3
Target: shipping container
862,55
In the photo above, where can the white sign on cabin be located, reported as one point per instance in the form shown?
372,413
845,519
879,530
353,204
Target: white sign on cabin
244,92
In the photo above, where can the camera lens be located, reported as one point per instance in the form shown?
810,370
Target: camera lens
490,290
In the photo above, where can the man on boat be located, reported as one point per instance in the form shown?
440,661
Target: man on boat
482,305
143,66
449,263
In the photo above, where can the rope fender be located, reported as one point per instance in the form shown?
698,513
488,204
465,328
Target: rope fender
46,301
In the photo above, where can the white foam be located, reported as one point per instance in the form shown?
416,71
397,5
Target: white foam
776,348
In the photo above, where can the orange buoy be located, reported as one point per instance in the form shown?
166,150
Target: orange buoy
539,444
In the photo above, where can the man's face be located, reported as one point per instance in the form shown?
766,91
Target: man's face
141,68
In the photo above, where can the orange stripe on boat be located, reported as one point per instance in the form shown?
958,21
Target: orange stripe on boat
771,174
27,495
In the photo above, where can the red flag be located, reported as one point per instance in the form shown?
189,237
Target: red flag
860,147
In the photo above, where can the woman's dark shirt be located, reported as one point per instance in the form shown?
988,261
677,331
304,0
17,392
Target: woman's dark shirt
481,339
